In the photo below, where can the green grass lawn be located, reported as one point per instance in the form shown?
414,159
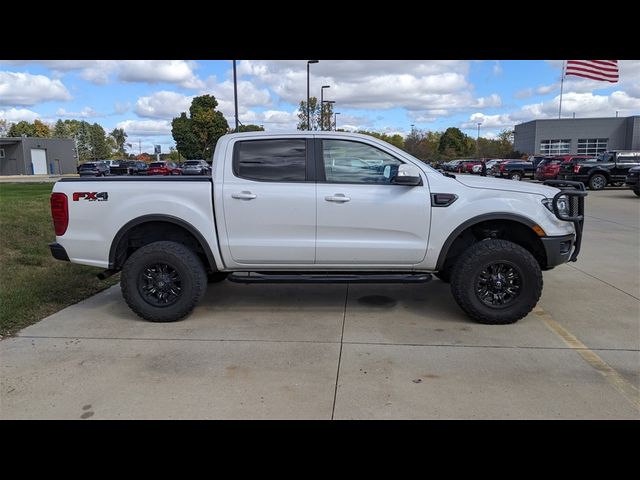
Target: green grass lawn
32,283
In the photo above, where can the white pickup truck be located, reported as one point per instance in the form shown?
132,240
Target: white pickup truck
319,207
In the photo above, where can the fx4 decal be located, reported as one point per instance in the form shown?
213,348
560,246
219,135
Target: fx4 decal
91,196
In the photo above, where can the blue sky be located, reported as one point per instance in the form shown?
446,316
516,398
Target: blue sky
383,95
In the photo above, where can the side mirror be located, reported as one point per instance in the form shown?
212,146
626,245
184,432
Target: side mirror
408,175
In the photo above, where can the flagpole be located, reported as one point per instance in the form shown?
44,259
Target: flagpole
561,88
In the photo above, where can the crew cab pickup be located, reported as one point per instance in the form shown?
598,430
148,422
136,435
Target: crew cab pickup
607,168
318,207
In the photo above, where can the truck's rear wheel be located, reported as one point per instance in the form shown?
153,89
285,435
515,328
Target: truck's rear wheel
163,281
496,282
597,182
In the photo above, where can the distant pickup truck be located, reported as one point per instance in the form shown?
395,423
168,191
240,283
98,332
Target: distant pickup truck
608,168
318,207
514,169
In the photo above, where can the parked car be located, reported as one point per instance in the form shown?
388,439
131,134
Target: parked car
633,180
466,166
130,167
607,168
196,167
273,214
514,169
536,159
451,166
488,164
111,163
549,167
164,168
93,169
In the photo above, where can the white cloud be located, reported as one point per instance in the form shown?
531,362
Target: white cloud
179,72
18,114
163,104
86,112
21,88
525,93
488,121
145,128
121,107
373,84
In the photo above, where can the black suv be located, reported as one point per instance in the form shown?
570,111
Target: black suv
93,169
633,180
130,167
514,169
609,168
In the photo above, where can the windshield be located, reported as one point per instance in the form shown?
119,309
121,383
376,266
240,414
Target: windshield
191,163
87,166
156,164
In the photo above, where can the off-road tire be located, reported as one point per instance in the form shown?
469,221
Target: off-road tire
189,267
473,260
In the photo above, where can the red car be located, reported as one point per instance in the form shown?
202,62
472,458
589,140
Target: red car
164,168
549,167
467,166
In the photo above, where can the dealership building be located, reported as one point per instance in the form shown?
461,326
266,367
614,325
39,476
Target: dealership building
577,136
36,156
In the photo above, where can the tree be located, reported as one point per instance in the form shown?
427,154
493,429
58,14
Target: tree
119,137
42,130
98,143
453,143
22,128
173,155
251,128
196,136
185,138
314,113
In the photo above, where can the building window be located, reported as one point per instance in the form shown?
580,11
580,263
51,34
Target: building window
592,146
555,147
1,152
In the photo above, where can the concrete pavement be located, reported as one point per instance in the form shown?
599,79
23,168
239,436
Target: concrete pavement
350,351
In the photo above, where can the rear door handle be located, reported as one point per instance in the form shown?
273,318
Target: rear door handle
338,198
244,195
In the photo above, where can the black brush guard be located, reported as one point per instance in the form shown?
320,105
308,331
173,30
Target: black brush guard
575,193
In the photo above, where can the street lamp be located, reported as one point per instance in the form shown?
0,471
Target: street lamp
309,62
322,105
335,120
478,140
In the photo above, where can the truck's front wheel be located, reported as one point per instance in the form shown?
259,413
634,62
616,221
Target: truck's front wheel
163,281
496,282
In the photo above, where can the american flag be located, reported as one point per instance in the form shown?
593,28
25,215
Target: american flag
604,70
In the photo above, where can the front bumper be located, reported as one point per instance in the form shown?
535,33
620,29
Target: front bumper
58,252
576,196
558,249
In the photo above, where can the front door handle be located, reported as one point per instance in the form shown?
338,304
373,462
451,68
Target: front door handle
244,195
338,198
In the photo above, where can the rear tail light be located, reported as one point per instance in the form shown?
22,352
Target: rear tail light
59,213
576,169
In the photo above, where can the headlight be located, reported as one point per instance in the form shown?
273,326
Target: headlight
563,205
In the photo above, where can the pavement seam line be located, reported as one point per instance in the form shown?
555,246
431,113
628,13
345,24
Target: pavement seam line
344,317
600,280
613,378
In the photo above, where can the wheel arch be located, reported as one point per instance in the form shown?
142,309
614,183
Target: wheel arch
117,252
470,224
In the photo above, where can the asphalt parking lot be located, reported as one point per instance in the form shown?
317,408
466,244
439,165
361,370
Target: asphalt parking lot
350,351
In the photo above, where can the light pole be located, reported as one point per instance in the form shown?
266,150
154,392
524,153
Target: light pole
309,62
322,105
235,93
478,140
335,120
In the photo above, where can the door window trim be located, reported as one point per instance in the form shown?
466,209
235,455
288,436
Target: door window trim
310,161
321,175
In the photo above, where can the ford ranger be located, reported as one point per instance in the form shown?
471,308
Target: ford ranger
319,207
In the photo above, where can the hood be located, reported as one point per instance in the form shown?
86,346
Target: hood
490,183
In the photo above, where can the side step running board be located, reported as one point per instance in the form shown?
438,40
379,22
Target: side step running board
251,277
